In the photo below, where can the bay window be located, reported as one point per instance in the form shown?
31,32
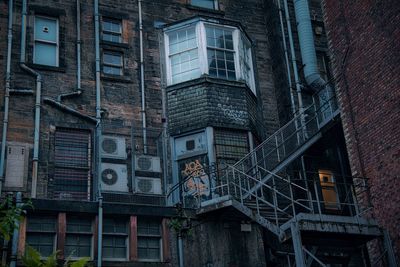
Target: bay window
198,48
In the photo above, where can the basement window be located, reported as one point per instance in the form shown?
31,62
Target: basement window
149,240
210,4
115,239
46,46
112,63
41,234
112,30
198,48
78,239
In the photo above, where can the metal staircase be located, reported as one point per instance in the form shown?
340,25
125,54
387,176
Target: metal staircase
286,203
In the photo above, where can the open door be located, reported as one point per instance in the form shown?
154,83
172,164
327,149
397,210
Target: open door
328,189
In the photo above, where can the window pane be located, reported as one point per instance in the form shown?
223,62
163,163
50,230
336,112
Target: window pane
204,3
45,54
112,70
112,59
46,29
41,224
42,242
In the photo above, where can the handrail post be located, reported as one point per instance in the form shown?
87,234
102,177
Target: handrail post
275,198
292,198
315,110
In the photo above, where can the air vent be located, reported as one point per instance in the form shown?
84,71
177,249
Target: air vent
146,185
113,147
147,163
114,177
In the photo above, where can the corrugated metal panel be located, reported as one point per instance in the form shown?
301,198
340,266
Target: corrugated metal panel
72,164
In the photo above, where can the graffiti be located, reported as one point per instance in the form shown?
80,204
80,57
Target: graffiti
236,115
199,183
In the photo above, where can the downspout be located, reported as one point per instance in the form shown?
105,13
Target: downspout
142,89
35,160
15,238
98,135
307,47
7,93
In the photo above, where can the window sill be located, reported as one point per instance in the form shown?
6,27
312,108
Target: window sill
46,68
205,79
109,44
206,10
116,78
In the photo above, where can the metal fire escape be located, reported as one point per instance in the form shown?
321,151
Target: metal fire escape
260,187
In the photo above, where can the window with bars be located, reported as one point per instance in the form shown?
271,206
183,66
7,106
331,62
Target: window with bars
113,63
112,30
230,146
197,48
72,164
211,4
115,239
78,238
41,234
45,51
149,240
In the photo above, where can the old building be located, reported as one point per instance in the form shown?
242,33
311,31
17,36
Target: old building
179,133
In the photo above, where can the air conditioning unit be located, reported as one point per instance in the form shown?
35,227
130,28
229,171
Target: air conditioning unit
113,147
146,163
114,177
146,185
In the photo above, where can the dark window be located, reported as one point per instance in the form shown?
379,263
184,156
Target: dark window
230,146
112,30
41,234
211,4
112,63
149,240
78,239
115,236
72,164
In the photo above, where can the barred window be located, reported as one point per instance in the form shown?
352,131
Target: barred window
41,234
149,240
72,164
115,239
230,146
78,238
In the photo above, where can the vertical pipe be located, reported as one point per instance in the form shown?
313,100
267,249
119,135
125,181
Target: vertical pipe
15,237
98,134
35,160
142,88
297,244
78,45
294,61
180,250
7,93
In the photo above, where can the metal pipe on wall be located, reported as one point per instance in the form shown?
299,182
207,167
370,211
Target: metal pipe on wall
35,160
7,93
142,87
98,132
78,46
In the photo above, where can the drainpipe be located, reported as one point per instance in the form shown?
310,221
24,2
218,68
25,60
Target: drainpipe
7,93
180,250
143,111
35,161
98,133
14,246
307,47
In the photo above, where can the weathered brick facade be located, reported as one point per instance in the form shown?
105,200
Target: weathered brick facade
364,41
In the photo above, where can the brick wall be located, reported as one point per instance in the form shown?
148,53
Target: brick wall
364,39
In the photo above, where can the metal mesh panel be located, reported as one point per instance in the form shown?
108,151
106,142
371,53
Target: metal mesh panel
230,146
72,164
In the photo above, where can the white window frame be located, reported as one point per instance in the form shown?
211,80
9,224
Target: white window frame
119,34
57,43
113,65
201,38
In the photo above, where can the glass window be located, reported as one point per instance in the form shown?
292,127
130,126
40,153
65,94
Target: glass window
72,164
220,53
211,4
112,63
203,48
183,54
41,234
149,240
115,236
112,30
46,41
78,238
